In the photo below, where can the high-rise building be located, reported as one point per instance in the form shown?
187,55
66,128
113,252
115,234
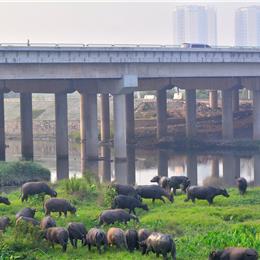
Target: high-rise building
194,24
247,24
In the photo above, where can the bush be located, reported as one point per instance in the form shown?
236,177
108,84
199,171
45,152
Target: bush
17,173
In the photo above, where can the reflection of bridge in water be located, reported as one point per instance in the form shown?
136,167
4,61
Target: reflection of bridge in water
142,165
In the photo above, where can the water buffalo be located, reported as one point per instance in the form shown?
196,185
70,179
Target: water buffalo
242,185
4,222
58,205
5,201
47,222
127,190
33,188
26,212
163,181
177,182
116,236
27,220
131,236
77,231
57,235
143,234
234,253
96,237
204,193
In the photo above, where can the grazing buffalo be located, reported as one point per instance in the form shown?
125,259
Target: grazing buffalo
47,222
234,253
127,190
5,201
4,222
58,205
77,231
27,220
57,235
242,185
96,237
153,192
127,202
111,216
26,212
131,236
143,234
204,193
33,188
116,236
163,181
159,244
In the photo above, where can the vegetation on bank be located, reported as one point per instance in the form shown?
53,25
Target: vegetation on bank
197,228
17,173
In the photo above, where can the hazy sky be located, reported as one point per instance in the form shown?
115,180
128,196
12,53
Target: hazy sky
103,22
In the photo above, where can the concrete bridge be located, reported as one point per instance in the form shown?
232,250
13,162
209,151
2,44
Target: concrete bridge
121,70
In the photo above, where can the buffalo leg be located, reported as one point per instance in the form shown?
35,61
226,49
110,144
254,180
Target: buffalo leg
162,199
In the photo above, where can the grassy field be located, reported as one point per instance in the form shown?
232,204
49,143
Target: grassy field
197,228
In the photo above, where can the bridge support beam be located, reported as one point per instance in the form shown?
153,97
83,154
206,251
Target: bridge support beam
163,163
256,114
130,115
235,101
227,115
161,113
215,168
120,126
190,113
213,99
105,118
88,128
192,172
62,148
2,127
26,126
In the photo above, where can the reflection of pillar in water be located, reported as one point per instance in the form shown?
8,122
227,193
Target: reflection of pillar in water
162,163
231,169
62,169
105,164
191,164
215,167
257,169
131,165
121,171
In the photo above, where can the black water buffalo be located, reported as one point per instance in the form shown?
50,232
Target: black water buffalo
77,231
131,236
179,182
204,193
57,235
96,237
128,190
58,205
5,201
26,212
234,253
242,185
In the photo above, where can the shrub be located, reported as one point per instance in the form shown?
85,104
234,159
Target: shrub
17,173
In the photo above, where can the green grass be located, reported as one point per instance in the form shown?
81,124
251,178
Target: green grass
17,173
197,228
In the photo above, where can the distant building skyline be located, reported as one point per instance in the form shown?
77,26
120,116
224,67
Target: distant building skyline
195,24
247,26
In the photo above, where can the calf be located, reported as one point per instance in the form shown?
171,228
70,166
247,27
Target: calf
96,237
57,235
234,253
159,244
26,212
131,236
242,185
47,222
77,231
153,192
127,202
58,205
5,201
113,215
204,193
33,188
116,236
4,222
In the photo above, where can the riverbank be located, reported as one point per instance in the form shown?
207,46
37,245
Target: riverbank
197,228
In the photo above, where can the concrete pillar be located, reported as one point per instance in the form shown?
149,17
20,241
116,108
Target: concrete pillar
105,118
130,115
256,114
235,100
227,115
2,128
190,113
88,128
26,126
121,171
62,148
161,113
213,99
120,126
231,169
130,165
256,159
105,164
215,168
162,163
192,172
